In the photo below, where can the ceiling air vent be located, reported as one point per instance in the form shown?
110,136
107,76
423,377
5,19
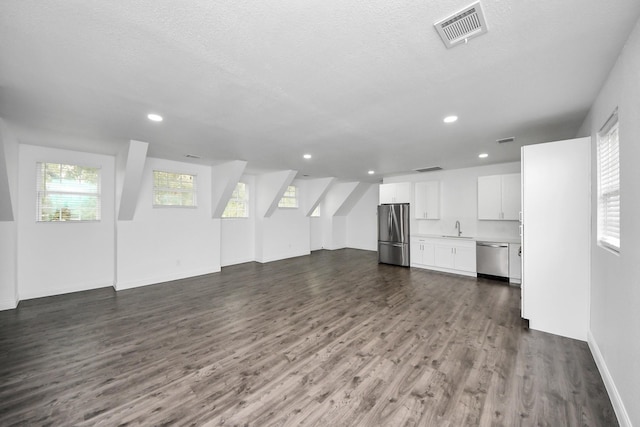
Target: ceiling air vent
429,169
462,26
505,140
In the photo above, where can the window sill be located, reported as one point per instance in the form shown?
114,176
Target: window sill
174,207
609,248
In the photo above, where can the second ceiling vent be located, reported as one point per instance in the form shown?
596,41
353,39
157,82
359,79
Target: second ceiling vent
462,26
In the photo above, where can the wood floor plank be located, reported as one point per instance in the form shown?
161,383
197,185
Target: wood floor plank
328,339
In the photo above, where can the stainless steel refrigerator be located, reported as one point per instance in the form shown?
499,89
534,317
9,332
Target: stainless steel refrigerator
393,234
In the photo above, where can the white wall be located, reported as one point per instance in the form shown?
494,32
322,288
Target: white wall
162,244
60,257
237,235
9,229
315,225
8,265
459,202
615,290
285,234
362,222
334,227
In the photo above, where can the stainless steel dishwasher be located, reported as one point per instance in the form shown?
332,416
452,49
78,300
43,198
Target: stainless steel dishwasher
492,260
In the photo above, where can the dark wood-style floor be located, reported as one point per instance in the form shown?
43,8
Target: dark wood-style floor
331,339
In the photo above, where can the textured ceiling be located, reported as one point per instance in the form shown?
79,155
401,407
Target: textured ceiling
358,84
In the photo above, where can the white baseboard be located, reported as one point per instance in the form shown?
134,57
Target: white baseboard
42,293
446,270
130,284
616,400
8,304
237,261
282,256
364,248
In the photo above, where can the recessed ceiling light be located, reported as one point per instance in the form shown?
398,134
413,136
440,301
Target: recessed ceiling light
371,172
450,119
483,155
154,117
307,156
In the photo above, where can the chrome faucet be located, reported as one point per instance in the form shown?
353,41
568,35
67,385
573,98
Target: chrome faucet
458,228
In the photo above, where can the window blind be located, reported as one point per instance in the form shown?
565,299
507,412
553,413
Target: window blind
67,193
174,189
289,198
609,184
238,205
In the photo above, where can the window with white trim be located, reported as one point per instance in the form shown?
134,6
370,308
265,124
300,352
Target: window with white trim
289,198
609,184
171,189
67,193
316,212
238,205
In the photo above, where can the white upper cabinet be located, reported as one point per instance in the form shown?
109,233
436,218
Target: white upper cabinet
511,191
399,192
427,200
499,197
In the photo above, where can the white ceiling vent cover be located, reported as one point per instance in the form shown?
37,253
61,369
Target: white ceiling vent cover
462,26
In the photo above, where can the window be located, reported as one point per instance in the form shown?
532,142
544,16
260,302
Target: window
174,189
609,185
67,193
316,212
238,206
289,198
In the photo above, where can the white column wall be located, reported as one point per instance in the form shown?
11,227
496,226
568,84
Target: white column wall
362,222
61,257
237,235
168,243
9,229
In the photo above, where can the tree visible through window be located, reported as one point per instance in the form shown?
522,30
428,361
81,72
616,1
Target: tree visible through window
289,198
238,205
609,185
174,189
67,193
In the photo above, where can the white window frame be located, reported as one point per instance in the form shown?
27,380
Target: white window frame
70,192
608,190
289,199
177,189
238,200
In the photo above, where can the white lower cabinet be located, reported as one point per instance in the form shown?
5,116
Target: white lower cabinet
422,252
444,254
515,265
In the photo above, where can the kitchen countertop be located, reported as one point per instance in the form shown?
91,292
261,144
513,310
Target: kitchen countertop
512,240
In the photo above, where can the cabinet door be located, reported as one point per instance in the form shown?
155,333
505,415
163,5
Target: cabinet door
416,252
515,265
465,258
427,200
511,196
489,197
387,193
428,254
443,256
403,192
